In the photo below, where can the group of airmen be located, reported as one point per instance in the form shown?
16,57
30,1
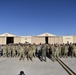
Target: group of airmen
41,51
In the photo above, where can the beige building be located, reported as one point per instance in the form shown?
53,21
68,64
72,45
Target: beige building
7,38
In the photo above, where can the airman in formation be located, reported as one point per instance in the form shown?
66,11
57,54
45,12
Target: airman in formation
41,51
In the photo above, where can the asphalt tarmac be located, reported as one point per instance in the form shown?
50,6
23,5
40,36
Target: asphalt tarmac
12,66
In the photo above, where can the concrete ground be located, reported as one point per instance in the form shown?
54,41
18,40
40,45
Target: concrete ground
71,62
12,66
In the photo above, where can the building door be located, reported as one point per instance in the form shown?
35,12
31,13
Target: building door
9,40
46,40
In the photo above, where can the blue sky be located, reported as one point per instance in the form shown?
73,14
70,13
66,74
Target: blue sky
34,17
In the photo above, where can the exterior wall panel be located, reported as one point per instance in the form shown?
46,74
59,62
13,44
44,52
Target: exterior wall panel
56,39
25,39
51,40
60,39
67,39
17,39
2,40
37,39
74,39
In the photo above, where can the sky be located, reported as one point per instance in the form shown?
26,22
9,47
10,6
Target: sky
34,17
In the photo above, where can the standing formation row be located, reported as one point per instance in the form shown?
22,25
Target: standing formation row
41,51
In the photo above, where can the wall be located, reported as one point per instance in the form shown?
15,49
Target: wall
51,40
67,39
40,39
17,39
2,40
74,39
55,39
25,39
60,39
37,39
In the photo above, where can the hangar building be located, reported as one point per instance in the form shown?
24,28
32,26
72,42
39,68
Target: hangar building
7,38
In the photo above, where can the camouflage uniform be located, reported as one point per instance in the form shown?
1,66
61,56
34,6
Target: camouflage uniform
47,50
43,53
22,55
1,50
9,51
30,53
74,51
60,51
56,51
71,50
5,51
52,51
39,51
13,51
18,48
66,51
34,50
25,50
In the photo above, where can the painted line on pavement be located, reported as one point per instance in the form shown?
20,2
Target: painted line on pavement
66,67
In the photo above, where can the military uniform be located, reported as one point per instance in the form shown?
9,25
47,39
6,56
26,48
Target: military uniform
5,51
25,50
34,50
39,51
43,53
74,51
47,50
56,51
18,48
62,50
1,50
9,51
71,50
22,55
30,53
13,51
66,51
52,52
